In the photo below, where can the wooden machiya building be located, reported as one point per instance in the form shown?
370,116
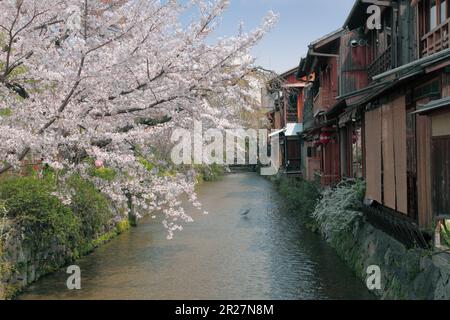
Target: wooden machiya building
285,100
374,103
395,84
320,127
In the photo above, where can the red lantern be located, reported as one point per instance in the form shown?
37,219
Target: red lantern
325,138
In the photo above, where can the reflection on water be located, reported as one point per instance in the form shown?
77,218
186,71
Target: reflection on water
266,254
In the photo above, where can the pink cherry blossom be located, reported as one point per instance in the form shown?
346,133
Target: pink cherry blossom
112,83
99,163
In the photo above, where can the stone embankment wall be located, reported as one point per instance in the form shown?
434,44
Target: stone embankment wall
405,274
22,262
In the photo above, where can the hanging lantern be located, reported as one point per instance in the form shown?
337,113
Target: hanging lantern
325,138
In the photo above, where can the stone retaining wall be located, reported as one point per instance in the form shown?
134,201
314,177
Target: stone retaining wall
405,274
23,262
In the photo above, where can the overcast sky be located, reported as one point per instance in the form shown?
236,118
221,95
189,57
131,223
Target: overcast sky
300,23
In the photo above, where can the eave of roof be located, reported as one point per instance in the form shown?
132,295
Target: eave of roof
288,72
326,39
306,63
334,110
394,77
433,105
352,13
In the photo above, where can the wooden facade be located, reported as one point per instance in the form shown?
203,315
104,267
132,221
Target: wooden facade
406,160
286,117
321,136
376,106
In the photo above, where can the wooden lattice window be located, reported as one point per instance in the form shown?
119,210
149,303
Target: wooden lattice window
434,26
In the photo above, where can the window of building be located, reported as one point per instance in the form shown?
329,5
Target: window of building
436,13
430,90
293,102
444,11
432,15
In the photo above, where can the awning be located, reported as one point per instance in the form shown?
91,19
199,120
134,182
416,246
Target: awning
336,109
347,116
433,106
276,132
293,129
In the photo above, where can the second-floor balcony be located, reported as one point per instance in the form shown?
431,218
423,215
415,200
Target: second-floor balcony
436,40
381,64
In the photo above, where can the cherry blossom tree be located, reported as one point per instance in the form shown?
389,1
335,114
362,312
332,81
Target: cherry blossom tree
93,87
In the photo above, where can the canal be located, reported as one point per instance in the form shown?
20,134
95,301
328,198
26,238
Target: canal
267,254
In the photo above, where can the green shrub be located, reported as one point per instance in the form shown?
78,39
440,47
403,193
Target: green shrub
31,206
445,233
2,214
2,221
47,224
6,112
106,174
147,164
160,169
123,226
44,218
90,206
210,172
301,195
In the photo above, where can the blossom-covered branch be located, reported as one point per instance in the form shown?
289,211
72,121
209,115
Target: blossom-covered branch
76,74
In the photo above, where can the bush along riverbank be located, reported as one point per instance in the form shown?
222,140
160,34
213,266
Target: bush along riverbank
337,215
208,173
301,196
39,234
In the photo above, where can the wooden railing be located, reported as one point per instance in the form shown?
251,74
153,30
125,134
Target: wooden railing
397,225
436,40
381,64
